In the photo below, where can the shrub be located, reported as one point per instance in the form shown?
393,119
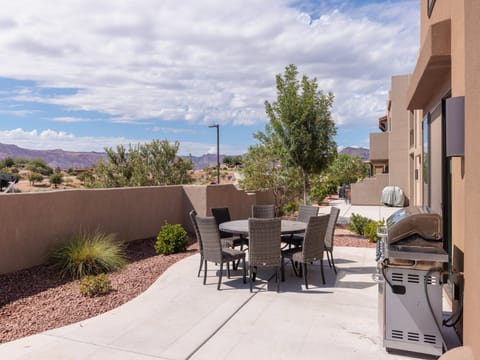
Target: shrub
56,179
357,223
95,285
88,254
171,239
290,207
370,230
34,177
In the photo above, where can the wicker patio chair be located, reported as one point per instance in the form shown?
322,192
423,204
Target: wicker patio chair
223,215
225,242
263,211
312,247
213,250
304,213
264,247
330,235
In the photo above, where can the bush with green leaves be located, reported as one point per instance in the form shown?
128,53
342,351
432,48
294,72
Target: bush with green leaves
357,223
171,239
56,179
95,285
370,230
290,207
88,254
34,177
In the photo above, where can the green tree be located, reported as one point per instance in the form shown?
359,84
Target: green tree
228,160
154,163
39,166
56,179
263,171
346,169
301,123
8,162
34,177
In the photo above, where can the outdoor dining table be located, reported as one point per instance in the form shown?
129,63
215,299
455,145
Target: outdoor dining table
240,227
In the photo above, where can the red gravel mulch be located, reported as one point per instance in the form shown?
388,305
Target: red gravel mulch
37,299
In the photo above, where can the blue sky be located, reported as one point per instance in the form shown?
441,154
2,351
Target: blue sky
82,75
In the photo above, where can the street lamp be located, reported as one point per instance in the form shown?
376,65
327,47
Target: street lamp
218,150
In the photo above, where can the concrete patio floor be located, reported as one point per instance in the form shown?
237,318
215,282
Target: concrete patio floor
180,318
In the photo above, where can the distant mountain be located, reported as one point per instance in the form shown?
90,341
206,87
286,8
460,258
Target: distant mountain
206,160
54,158
363,153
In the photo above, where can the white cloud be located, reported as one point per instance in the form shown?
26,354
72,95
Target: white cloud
204,61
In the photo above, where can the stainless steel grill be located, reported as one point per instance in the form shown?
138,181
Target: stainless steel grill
410,258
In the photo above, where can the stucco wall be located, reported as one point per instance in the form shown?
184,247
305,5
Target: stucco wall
369,191
472,175
32,223
398,140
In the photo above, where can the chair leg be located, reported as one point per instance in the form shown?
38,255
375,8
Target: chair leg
250,272
205,273
244,271
304,265
201,265
321,270
333,263
328,258
294,267
220,276
282,269
228,269
277,279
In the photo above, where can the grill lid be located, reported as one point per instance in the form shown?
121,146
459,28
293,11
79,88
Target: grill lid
414,220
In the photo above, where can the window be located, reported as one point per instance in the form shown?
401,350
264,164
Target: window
430,5
426,160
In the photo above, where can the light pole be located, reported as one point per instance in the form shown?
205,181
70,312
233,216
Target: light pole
218,150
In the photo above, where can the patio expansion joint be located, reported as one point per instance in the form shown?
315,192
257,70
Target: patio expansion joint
220,327
107,347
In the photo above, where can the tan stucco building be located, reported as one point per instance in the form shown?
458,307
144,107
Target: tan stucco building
430,143
445,87
389,157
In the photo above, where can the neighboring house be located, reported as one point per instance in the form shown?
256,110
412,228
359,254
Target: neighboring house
444,164
389,149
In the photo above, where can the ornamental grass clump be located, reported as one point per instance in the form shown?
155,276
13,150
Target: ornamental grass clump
95,285
89,254
171,239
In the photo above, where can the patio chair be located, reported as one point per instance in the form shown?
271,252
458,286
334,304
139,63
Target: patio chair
264,247
312,247
304,213
213,250
223,215
225,242
330,235
263,211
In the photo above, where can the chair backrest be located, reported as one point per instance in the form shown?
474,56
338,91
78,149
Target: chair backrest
329,235
305,212
313,242
263,211
264,242
208,230
221,215
193,217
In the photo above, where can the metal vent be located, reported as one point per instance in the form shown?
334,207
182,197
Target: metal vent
414,278
397,334
397,277
431,280
413,337
430,339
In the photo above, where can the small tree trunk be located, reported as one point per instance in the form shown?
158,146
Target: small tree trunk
305,187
